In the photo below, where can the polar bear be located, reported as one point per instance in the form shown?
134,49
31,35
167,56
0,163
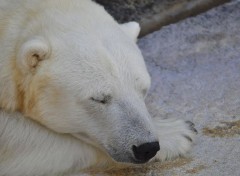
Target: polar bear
72,89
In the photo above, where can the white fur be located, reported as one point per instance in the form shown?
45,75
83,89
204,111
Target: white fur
28,149
174,137
79,81
132,29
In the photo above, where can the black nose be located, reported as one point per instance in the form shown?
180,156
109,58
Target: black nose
146,151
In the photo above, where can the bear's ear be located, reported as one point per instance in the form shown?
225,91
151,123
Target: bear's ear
31,53
132,29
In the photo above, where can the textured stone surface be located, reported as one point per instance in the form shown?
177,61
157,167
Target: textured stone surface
195,69
153,14
127,10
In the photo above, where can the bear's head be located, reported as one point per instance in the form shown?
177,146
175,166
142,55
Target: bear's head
87,80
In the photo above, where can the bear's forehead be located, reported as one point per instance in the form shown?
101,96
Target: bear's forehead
98,53
103,55
100,65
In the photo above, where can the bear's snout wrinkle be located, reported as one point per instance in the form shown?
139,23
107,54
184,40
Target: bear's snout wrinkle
146,151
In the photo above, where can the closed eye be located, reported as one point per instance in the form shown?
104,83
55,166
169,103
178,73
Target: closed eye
144,92
104,99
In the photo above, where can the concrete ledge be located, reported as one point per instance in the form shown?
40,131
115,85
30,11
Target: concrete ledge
176,12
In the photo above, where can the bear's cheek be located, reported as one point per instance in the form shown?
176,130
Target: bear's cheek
33,94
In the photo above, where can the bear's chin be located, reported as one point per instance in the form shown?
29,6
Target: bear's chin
127,159
120,157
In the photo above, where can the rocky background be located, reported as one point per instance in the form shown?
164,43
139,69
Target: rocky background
195,70
153,14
